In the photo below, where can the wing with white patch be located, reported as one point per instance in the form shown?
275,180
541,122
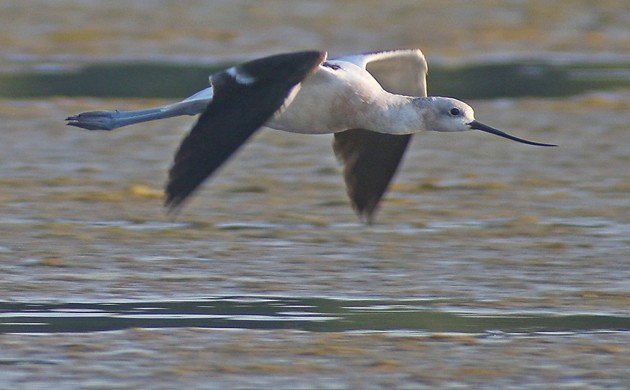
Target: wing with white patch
244,98
371,159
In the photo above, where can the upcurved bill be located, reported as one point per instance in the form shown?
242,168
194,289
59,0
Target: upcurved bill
480,126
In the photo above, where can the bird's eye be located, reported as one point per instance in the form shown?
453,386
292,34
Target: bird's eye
455,111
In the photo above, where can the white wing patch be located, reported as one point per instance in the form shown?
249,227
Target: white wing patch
241,76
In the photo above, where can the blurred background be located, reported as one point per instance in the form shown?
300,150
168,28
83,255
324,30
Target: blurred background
491,264
196,31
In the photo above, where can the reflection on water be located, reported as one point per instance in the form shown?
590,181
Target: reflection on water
310,314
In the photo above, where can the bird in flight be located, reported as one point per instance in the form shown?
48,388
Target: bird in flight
373,103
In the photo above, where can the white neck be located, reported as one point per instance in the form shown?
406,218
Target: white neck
395,115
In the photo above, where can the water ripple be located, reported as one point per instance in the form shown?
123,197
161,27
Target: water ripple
308,314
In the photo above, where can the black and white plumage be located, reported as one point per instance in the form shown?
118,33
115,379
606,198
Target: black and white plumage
244,99
372,102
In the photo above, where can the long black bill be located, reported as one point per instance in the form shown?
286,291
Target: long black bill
480,126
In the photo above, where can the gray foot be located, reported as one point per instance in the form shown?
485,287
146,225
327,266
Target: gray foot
94,120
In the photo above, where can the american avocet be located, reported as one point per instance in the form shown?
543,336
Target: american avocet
372,102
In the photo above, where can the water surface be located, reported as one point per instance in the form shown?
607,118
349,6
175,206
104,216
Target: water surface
492,264
309,314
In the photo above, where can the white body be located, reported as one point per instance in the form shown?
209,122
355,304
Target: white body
333,100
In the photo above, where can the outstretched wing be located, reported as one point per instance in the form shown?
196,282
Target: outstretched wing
371,159
245,98
402,71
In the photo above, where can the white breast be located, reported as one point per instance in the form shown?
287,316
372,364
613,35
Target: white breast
332,100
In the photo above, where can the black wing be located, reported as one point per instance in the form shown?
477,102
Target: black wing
370,161
244,99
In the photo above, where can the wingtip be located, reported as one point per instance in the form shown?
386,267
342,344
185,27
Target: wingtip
173,207
367,216
366,219
172,201
172,212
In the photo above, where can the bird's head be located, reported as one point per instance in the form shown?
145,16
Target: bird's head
450,115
